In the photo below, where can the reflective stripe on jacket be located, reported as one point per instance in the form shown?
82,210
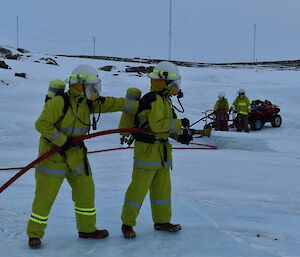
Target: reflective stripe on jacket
55,131
163,125
242,105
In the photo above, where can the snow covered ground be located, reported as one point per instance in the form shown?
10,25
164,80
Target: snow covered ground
240,200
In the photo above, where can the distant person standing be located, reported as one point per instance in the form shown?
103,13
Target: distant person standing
242,106
221,110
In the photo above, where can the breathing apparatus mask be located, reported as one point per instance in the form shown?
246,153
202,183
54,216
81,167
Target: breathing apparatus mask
90,86
84,79
169,73
174,87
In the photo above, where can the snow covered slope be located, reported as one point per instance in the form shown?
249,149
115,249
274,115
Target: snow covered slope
240,200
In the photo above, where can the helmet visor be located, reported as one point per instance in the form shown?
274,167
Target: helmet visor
93,90
174,86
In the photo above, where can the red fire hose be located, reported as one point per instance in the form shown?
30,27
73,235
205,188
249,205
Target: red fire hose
56,149
82,138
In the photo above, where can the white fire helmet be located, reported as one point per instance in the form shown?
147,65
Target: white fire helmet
88,77
241,91
221,94
167,71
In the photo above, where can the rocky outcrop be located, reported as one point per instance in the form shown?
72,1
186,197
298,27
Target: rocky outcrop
22,75
7,54
23,51
107,68
48,61
4,52
139,69
3,65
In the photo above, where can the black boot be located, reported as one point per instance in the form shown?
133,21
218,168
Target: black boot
98,234
128,232
167,227
34,243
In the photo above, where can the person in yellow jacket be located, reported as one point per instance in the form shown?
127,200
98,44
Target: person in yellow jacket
221,110
153,152
242,107
71,162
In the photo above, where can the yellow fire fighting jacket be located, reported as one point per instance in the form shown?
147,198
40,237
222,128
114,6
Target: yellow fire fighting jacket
242,105
161,122
76,122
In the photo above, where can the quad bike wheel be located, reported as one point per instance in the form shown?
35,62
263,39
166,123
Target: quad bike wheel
276,121
257,124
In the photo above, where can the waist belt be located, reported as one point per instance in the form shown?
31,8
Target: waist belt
148,139
81,145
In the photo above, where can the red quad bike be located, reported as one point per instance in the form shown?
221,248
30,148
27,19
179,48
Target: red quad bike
262,112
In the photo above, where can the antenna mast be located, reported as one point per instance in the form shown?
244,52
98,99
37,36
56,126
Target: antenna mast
254,44
17,31
170,30
94,43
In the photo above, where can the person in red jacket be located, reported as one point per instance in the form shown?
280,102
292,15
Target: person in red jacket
221,110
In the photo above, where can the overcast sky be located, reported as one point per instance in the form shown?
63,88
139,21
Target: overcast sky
203,30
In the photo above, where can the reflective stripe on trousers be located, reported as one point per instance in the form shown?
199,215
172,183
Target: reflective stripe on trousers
132,203
51,171
76,171
85,211
39,219
160,202
143,164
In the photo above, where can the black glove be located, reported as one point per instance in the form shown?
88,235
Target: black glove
186,137
65,146
185,123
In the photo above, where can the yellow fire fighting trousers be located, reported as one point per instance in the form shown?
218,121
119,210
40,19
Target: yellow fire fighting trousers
159,183
47,187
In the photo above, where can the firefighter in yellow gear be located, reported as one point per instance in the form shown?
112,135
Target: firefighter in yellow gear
153,152
242,107
71,162
221,111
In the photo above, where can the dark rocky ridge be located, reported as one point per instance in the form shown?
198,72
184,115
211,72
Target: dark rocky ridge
281,65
